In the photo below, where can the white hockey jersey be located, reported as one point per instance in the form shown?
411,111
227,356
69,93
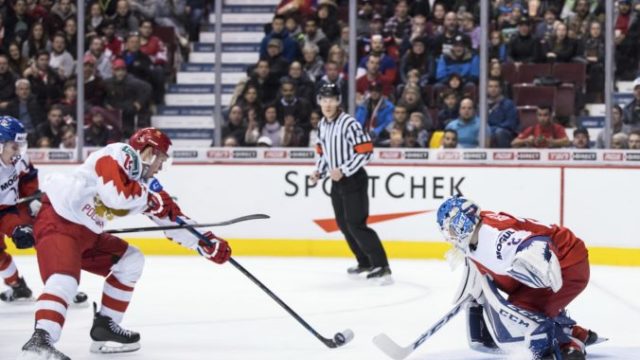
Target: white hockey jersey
12,176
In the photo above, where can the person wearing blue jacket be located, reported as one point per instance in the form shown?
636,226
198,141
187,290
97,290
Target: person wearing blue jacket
290,47
376,112
462,61
503,116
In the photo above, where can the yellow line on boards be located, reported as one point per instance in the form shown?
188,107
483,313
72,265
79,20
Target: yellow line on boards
339,248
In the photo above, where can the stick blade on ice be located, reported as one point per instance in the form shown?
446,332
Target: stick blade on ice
389,347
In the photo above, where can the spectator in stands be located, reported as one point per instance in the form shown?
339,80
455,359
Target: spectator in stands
17,22
270,127
581,138
415,58
37,40
314,35
412,100
339,56
139,65
396,138
328,20
593,48
626,53
68,138
545,134
125,22
290,103
314,120
112,41
195,10
290,47
46,84
435,26
544,29
69,99
375,113
230,141
152,46
313,62
97,132
561,48
443,43
332,75
399,25
632,110
94,90
298,8
17,63
461,61
619,141
265,82
469,28
579,21
399,122
467,125
26,108
365,14
388,66
450,139
102,57
71,37
292,26
418,124
305,88
234,126
524,48
94,20
60,12
418,31
7,83
51,129
249,100
60,59
372,75
634,140
503,116
624,18
278,64
291,133
449,110
497,48
616,126
130,95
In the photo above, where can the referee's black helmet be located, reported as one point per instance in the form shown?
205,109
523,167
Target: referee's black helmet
329,90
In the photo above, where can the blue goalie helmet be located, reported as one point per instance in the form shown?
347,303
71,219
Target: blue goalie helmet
457,219
11,130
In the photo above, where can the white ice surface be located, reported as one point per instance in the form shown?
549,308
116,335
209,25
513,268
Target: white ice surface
188,308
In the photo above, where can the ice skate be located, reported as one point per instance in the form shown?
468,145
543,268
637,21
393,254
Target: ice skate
19,293
358,271
380,275
108,337
39,346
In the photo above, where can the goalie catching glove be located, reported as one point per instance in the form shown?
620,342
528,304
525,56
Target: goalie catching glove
536,265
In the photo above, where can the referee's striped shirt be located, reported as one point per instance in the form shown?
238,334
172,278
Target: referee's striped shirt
342,144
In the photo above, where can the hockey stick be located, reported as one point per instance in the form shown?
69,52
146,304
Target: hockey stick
339,338
185,226
397,352
25,199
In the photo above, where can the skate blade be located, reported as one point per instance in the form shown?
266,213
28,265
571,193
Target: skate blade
112,347
20,301
361,276
382,281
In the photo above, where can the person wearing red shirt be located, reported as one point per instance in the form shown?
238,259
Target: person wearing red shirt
151,45
544,134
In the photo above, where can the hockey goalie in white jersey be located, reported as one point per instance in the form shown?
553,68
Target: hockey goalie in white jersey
541,268
113,182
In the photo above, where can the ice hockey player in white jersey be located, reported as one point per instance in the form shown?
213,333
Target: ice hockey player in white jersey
18,179
115,181
541,268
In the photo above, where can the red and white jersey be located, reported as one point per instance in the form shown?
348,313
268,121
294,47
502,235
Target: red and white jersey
107,185
499,236
17,181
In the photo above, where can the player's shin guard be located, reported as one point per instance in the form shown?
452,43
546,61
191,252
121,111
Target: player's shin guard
52,305
8,270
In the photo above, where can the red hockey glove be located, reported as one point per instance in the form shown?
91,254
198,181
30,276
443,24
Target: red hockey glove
218,252
161,205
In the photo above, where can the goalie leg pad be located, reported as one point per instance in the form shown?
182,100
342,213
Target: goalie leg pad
478,334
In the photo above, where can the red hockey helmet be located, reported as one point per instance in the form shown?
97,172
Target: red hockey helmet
150,137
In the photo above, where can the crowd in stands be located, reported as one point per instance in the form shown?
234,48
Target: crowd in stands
126,64
419,67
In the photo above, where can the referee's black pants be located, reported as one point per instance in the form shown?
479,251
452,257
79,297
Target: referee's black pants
351,206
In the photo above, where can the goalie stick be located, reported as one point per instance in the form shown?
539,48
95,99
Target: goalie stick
397,352
338,339
185,226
